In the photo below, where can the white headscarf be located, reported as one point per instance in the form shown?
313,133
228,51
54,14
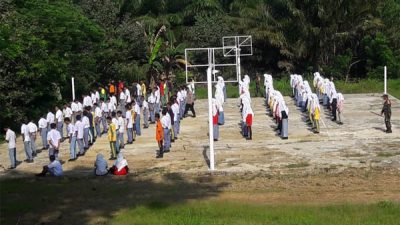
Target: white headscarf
221,81
101,165
120,163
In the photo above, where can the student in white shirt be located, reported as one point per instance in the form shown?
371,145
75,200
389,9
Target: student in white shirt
166,124
175,110
54,139
71,139
79,130
129,124
157,96
122,101
32,134
50,119
120,132
98,116
67,112
54,168
128,95
11,140
93,97
151,102
137,118
43,132
60,123
75,110
145,107
104,114
27,143
86,127
113,100
80,108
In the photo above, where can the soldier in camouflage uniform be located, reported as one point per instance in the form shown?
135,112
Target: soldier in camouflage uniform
386,110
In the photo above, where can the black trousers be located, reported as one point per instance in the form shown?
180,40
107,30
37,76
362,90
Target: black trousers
191,108
387,122
334,108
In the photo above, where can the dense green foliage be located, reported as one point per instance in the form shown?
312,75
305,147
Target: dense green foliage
43,43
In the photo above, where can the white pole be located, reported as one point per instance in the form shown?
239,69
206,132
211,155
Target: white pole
73,88
385,81
210,116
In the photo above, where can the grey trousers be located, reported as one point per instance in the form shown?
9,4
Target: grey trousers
80,146
86,137
43,134
60,128
98,131
13,156
28,150
33,144
216,131
130,134
146,118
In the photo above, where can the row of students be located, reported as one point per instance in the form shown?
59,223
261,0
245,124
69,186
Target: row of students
331,99
307,100
277,107
247,113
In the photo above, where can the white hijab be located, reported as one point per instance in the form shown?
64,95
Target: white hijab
101,165
120,163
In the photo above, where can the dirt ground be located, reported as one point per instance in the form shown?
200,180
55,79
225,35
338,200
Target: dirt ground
359,143
352,163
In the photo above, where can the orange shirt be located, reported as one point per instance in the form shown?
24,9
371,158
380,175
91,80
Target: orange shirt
112,89
159,131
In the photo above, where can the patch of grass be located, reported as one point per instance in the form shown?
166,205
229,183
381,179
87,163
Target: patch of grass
298,165
388,154
223,212
283,85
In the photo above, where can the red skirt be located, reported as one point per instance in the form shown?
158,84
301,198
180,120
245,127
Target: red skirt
123,171
249,120
215,119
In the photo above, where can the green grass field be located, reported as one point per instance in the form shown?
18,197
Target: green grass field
283,85
229,213
175,201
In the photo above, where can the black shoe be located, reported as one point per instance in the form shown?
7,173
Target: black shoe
215,139
70,160
159,157
30,161
389,131
165,151
11,167
40,175
333,120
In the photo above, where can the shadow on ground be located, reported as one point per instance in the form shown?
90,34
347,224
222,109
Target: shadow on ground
87,199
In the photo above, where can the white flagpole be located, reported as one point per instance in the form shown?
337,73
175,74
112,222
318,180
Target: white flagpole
73,88
385,79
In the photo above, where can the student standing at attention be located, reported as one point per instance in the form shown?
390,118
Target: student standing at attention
145,106
27,143
11,140
54,139
159,136
43,132
79,132
112,138
32,134
71,139
59,121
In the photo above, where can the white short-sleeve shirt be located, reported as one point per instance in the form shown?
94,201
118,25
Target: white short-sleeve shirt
121,125
25,132
42,123
10,137
71,130
50,118
79,129
59,116
32,127
86,122
128,117
54,136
